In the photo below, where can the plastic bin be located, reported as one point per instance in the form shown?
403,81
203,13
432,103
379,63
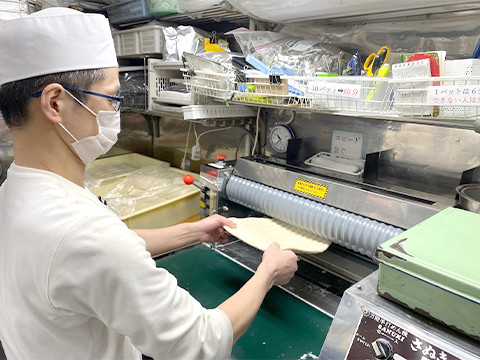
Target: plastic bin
128,11
12,9
437,98
162,7
460,68
139,41
165,213
162,75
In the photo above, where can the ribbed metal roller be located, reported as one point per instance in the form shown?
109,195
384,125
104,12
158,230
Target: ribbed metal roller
341,227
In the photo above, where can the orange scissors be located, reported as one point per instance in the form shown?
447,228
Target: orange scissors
374,61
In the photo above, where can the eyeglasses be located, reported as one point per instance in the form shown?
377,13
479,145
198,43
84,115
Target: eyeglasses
117,101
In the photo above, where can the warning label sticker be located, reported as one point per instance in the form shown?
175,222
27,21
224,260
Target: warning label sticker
311,188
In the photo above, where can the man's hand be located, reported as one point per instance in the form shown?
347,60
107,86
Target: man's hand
211,229
281,263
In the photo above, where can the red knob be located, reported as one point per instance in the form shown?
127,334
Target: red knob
188,179
221,157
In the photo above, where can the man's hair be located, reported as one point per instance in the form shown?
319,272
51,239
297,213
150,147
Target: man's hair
16,95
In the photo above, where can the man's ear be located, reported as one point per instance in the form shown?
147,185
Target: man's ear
53,102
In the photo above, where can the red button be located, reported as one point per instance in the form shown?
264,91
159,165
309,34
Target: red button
188,179
221,157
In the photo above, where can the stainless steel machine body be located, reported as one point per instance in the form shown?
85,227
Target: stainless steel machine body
349,215
357,215
367,326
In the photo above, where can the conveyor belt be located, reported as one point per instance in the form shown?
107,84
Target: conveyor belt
285,327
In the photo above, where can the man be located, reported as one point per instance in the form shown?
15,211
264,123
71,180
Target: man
75,282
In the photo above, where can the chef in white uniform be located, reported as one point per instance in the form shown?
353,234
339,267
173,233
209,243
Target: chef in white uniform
75,282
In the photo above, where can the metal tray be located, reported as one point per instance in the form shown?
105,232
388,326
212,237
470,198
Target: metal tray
469,197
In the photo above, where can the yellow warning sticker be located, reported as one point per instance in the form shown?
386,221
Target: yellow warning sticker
311,188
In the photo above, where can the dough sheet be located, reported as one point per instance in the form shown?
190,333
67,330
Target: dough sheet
261,232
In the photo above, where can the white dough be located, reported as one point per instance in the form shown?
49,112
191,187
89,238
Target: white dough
261,232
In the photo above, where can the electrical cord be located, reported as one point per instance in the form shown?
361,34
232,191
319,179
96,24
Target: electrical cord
256,133
240,142
186,145
195,132
210,131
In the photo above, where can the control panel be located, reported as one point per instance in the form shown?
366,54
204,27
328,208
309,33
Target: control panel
213,177
380,338
369,327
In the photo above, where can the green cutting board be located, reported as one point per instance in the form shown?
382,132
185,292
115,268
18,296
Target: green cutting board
284,328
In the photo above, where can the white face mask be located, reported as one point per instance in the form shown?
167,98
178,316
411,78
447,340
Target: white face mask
91,147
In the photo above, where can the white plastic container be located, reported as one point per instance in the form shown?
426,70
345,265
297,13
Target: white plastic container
461,68
162,75
139,41
13,9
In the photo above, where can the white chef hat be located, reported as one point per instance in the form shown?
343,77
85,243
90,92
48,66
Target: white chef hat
54,40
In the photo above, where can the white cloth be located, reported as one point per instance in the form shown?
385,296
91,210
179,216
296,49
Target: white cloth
76,283
54,40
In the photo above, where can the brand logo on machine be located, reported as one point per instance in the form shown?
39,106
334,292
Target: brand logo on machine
311,188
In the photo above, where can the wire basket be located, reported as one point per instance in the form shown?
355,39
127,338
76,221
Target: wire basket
356,94
215,85
278,90
128,11
447,97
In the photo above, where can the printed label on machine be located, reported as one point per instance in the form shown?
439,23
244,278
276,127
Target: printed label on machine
311,188
378,338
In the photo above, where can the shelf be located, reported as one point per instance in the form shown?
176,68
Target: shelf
308,12
199,113
218,13
456,124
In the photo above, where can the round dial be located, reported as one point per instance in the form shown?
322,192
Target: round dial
279,137
382,349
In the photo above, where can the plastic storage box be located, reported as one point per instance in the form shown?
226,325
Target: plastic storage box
460,69
12,9
129,11
139,41
161,76
164,213
433,269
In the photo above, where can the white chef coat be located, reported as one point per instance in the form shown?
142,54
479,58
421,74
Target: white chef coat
76,283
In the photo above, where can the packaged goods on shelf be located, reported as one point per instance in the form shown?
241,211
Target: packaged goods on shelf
134,89
191,40
295,56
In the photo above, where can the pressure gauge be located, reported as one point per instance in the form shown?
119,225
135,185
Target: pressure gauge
279,137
